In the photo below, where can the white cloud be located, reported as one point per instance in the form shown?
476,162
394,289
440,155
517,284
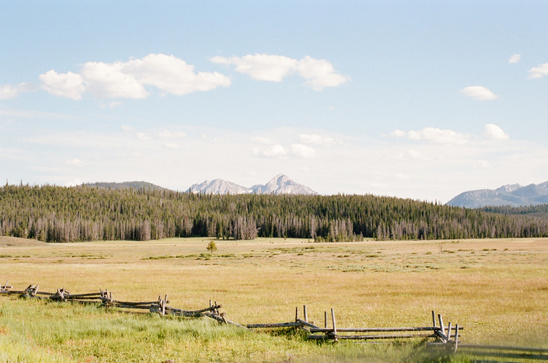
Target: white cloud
111,104
494,132
107,80
168,135
128,79
316,139
479,93
69,85
8,91
263,140
484,164
75,162
173,75
74,182
143,136
417,155
433,135
303,151
515,58
274,151
539,72
398,133
171,145
262,67
319,73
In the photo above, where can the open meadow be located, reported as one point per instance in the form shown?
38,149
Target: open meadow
497,289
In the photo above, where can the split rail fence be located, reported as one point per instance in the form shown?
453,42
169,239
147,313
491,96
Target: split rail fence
445,337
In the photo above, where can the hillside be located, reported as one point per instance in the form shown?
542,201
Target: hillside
58,214
513,195
137,185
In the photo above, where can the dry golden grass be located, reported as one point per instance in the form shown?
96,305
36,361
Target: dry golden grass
496,289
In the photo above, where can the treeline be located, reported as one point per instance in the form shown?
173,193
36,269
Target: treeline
59,214
540,210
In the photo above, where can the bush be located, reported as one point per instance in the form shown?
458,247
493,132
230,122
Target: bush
212,246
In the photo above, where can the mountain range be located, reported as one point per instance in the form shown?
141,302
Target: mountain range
280,184
513,195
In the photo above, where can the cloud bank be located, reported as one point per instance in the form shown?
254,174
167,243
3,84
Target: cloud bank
433,135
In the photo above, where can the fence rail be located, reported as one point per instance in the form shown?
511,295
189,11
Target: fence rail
446,337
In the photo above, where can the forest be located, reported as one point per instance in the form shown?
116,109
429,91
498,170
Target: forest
85,213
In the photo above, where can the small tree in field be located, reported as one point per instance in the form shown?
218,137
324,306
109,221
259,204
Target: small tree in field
212,246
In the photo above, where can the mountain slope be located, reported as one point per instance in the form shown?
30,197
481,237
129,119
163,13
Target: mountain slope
218,186
280,184
139,185
508,195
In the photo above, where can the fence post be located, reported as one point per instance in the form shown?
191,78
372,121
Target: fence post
456,338
334,326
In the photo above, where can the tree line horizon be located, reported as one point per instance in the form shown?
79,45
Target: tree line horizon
83,213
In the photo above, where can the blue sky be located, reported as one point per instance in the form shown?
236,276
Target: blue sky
421,100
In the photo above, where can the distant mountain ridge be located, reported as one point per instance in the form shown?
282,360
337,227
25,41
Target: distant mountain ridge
280,184
513,195
139,185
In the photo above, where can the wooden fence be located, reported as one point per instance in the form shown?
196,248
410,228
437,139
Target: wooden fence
445,337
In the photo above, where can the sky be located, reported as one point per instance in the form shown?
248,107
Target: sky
411,99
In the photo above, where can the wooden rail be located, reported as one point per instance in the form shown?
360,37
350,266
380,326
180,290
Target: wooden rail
446,336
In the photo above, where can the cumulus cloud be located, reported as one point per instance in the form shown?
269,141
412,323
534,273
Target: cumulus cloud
303,151
479,93
515,58
173,75
278,151
433,135
319,73
262,67
69,85
129,79
316,139
398,133
8,91
494,132
539,72
107,80
273,151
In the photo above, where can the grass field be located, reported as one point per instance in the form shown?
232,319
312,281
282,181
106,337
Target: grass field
496,289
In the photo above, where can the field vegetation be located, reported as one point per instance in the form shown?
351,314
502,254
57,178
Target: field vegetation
497,289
